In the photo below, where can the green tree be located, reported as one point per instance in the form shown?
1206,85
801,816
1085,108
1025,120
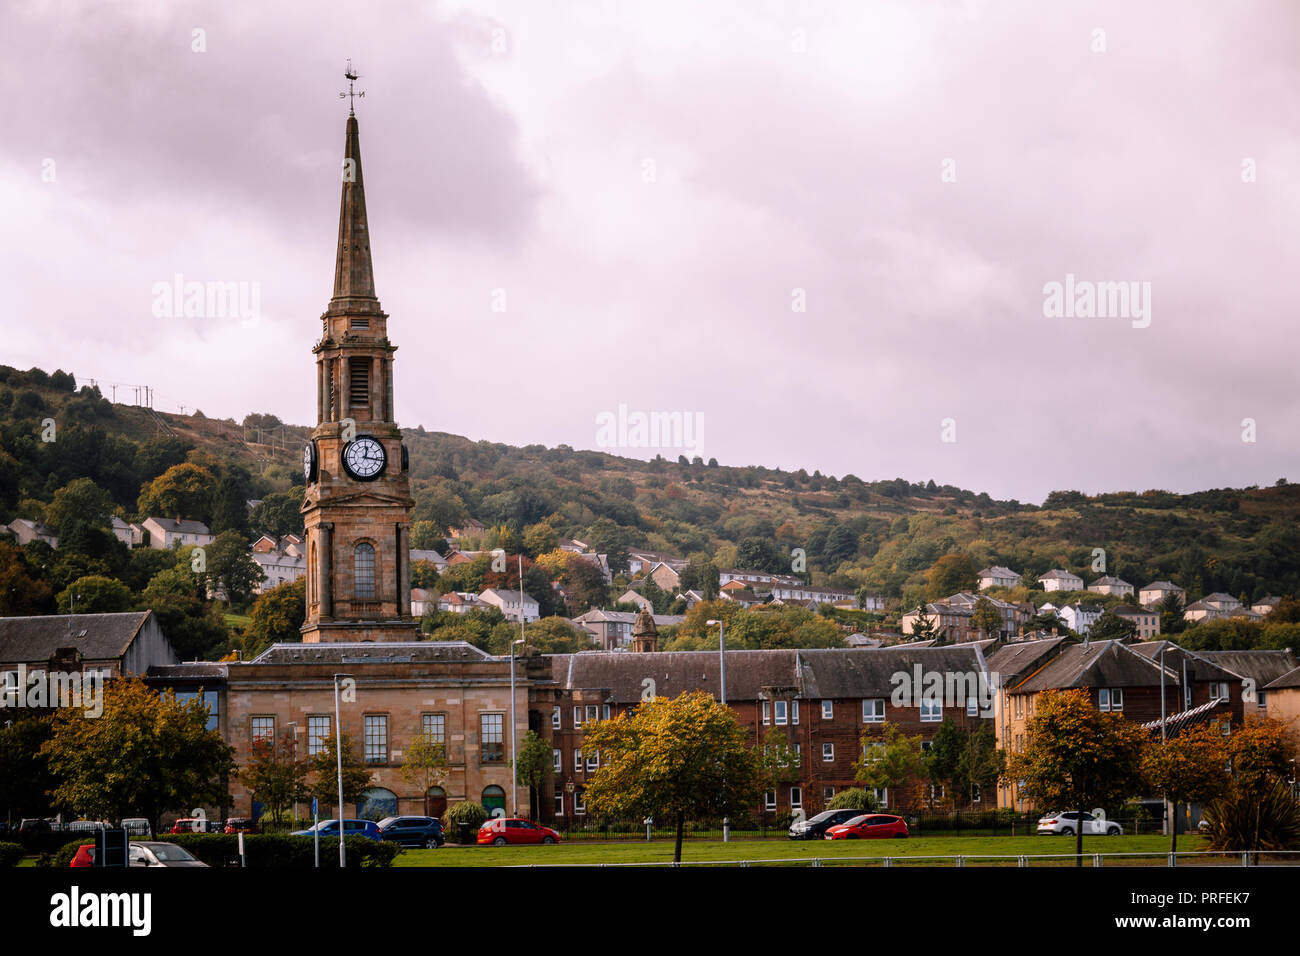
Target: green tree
145,754
533,764
230,502
1077,757
278,514
278,615
276,774
25,778
182,491
853,798
539,539
78,504
986,618
555,635
672,759
231,571
1112,627
425,764
890,760
95,594
324,766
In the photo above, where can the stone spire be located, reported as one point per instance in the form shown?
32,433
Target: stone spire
354,278
645,636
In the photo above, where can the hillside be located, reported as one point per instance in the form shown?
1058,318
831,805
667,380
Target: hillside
881,534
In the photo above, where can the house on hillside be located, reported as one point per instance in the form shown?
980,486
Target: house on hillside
167,533
26,530
998,576
1152,594
1111,585
1060,580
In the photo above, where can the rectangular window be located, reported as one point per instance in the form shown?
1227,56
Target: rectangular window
263,729
794,712
931,711
318,731
828,710
376,736
435,728
604,712
363,572
577,717
828,753
767,711
873,710
769,800
555,718
358,382
796,798
1019,707
1110,698
1219,690
492,737
579,802
557,760
577,761
972,707
798,756
827,793
593,761
782,712
559,803
593,712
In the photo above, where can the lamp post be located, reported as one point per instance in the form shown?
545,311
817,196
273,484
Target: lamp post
722,689
514,789
1165,802
338,756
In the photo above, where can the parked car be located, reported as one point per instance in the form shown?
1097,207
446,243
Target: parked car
413,831
85,855
814,828
330,828
1067,824
161,854
242,825
138,826
870,826
32,826
190,825
500,831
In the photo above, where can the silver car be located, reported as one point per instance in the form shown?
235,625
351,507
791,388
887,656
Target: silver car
161,854
1067,824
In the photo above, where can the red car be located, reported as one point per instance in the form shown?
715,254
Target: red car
503,830
85,855
870,826
242,825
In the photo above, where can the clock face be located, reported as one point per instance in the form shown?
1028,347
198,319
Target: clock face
364,458
309,461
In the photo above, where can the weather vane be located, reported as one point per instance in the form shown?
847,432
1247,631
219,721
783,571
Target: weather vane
351,74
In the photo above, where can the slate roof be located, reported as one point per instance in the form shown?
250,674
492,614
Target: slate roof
1199,667
1015,660
184,526
189,671
1095,664
96,636
361,652
813,674
1287,680
1261,666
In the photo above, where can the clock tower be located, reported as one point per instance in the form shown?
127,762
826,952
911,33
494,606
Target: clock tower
357,505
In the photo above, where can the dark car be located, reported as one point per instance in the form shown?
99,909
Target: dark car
814,828
242,825
413,831
330,828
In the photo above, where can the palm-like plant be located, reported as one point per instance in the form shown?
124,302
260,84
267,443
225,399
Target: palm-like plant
1245,821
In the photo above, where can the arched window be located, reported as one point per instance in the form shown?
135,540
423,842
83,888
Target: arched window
376,803
311,573
494,801
363,572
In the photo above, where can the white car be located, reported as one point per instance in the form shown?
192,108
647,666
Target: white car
1067,823
161,854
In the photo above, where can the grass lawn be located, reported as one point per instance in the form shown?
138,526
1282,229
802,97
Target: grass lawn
238,620
797,852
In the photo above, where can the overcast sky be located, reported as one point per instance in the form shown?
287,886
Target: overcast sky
655,187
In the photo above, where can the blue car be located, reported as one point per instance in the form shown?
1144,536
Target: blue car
330,828
413,831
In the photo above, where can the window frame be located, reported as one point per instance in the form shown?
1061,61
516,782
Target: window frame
873,718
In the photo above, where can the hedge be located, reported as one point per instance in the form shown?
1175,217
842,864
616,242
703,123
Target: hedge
267,850
10,854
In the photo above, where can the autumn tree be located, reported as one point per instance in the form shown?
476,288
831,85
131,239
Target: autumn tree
950,574
276,773
182,491
21,590
1258,811
146,754
1187,768
1077,756
672,759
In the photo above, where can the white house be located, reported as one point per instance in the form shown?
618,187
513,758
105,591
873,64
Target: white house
998,577
130,535
278,567
433,557
1157,591
1080,617
1110,585
167,533
1059,580
26,530
419,601
461,602
511,603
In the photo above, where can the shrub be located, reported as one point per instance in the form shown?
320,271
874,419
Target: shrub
10,854
1242,821
854,798
265,850
465,812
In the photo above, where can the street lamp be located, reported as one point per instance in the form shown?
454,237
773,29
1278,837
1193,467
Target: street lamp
338,756
514,780
722,688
